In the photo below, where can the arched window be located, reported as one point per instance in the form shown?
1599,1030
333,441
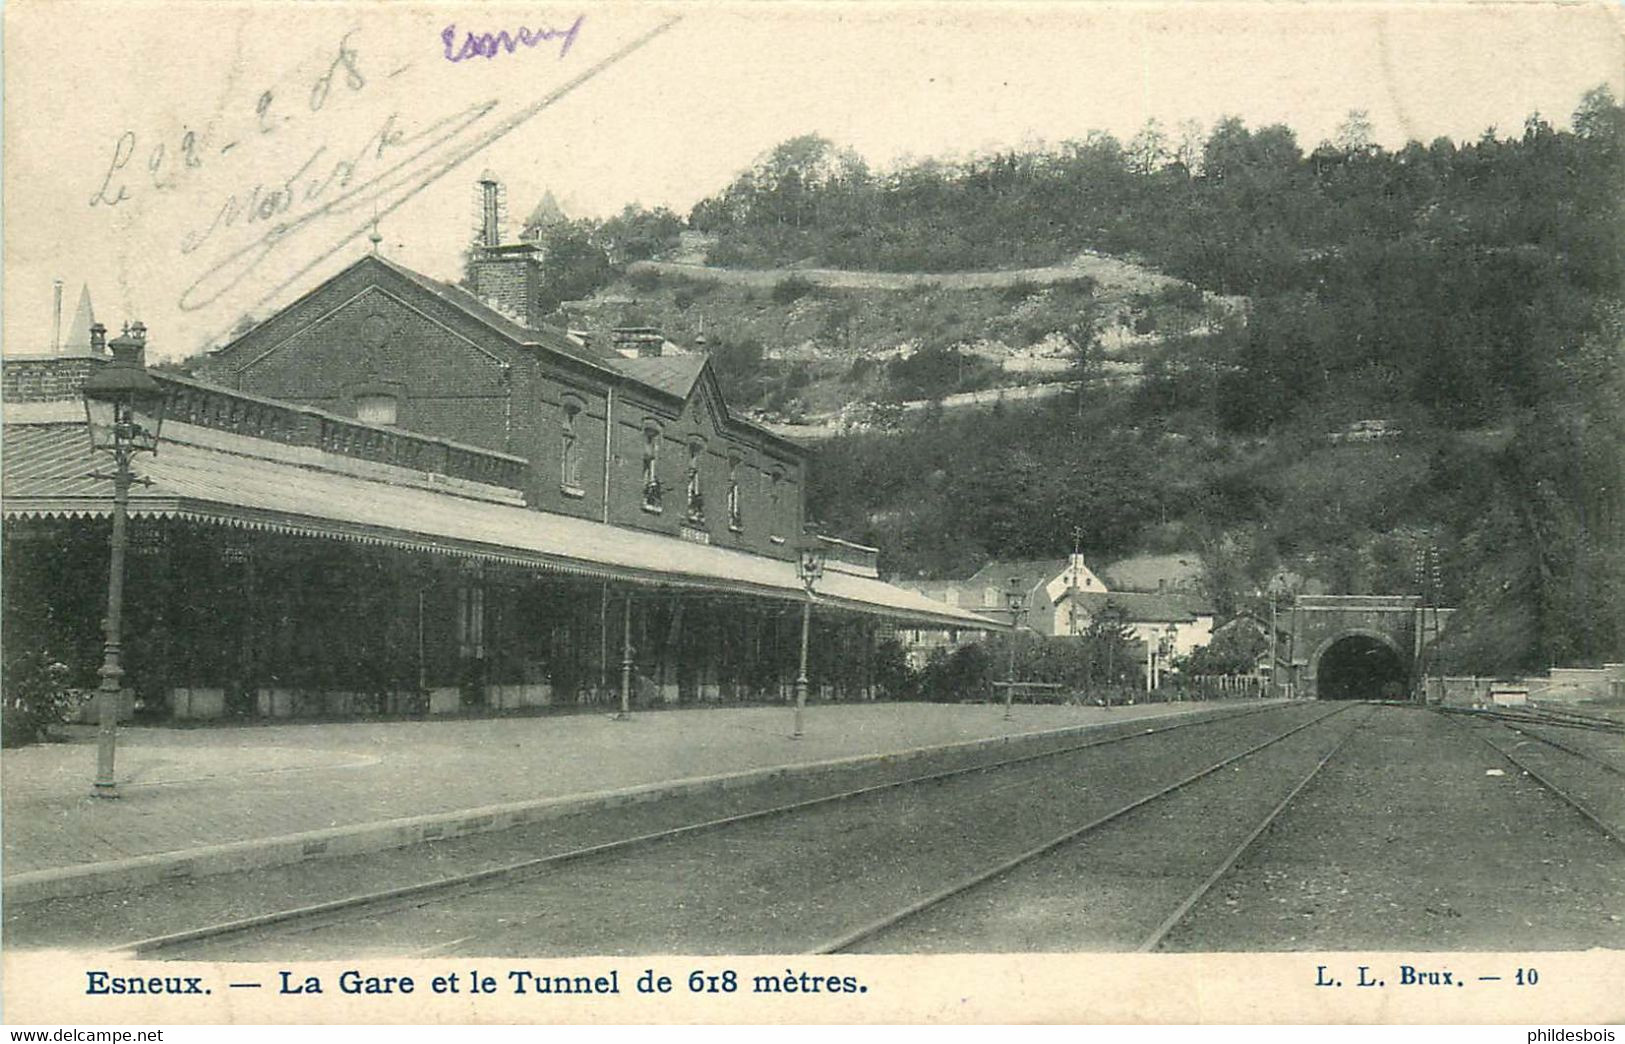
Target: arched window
651,461
775,504
696,491
736,509
570,448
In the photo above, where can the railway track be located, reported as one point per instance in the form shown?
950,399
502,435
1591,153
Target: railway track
1212,835
1543,716
1538,737
360,904
1153,940
1603,773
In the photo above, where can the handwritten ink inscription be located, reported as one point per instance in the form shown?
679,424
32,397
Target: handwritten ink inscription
166,169
489,45
368,162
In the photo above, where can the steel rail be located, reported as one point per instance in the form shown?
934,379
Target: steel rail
1565,748
1155,939
1541,778
1554,713
1554,719
153,944
965,884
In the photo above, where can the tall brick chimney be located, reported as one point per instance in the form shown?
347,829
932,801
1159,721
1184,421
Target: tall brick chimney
493,196
506,276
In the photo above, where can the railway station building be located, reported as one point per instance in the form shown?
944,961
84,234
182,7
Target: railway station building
395,496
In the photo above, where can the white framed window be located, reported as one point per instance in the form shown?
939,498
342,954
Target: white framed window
377,409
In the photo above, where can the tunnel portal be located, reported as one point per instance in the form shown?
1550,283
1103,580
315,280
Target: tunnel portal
1361,668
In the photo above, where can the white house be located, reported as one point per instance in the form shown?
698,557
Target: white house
1061,598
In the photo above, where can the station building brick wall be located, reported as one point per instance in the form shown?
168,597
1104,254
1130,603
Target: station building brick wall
484,380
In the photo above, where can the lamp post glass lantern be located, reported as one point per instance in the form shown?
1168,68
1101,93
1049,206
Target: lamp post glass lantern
1016,599
124,412
809,569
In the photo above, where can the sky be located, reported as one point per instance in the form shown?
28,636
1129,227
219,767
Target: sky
193,163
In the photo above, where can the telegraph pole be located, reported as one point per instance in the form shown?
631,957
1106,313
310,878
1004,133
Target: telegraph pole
1275,654
1428,577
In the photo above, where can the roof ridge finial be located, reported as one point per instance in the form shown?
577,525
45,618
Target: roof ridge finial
375,238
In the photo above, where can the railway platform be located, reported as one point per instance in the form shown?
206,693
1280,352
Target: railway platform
200,801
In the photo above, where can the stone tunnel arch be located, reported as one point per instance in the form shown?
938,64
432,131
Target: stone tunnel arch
1360,664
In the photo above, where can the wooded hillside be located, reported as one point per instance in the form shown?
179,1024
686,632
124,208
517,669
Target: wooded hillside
1427,352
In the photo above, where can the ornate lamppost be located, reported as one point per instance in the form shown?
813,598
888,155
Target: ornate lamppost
1016,600
124,409
809,569
625,713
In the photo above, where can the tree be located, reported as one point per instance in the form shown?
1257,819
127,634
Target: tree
1235,650
737,362
1148,149
1111,643
573,264
965,673
891,671
1470,289
636,234
36,695
1355,135
1188,152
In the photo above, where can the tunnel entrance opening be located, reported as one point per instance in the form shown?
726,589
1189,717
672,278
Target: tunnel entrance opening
1361,668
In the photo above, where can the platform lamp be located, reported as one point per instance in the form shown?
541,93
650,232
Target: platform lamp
809,569
124,410
1015,598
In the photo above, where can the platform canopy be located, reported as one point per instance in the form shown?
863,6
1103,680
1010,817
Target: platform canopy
201,474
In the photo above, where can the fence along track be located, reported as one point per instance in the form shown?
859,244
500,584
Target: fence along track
154,944
875,927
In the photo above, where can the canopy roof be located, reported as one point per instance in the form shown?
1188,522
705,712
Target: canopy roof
207,475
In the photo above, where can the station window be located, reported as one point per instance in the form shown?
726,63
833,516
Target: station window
570,448
377,409
651,462
736,510
775,504
696,493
